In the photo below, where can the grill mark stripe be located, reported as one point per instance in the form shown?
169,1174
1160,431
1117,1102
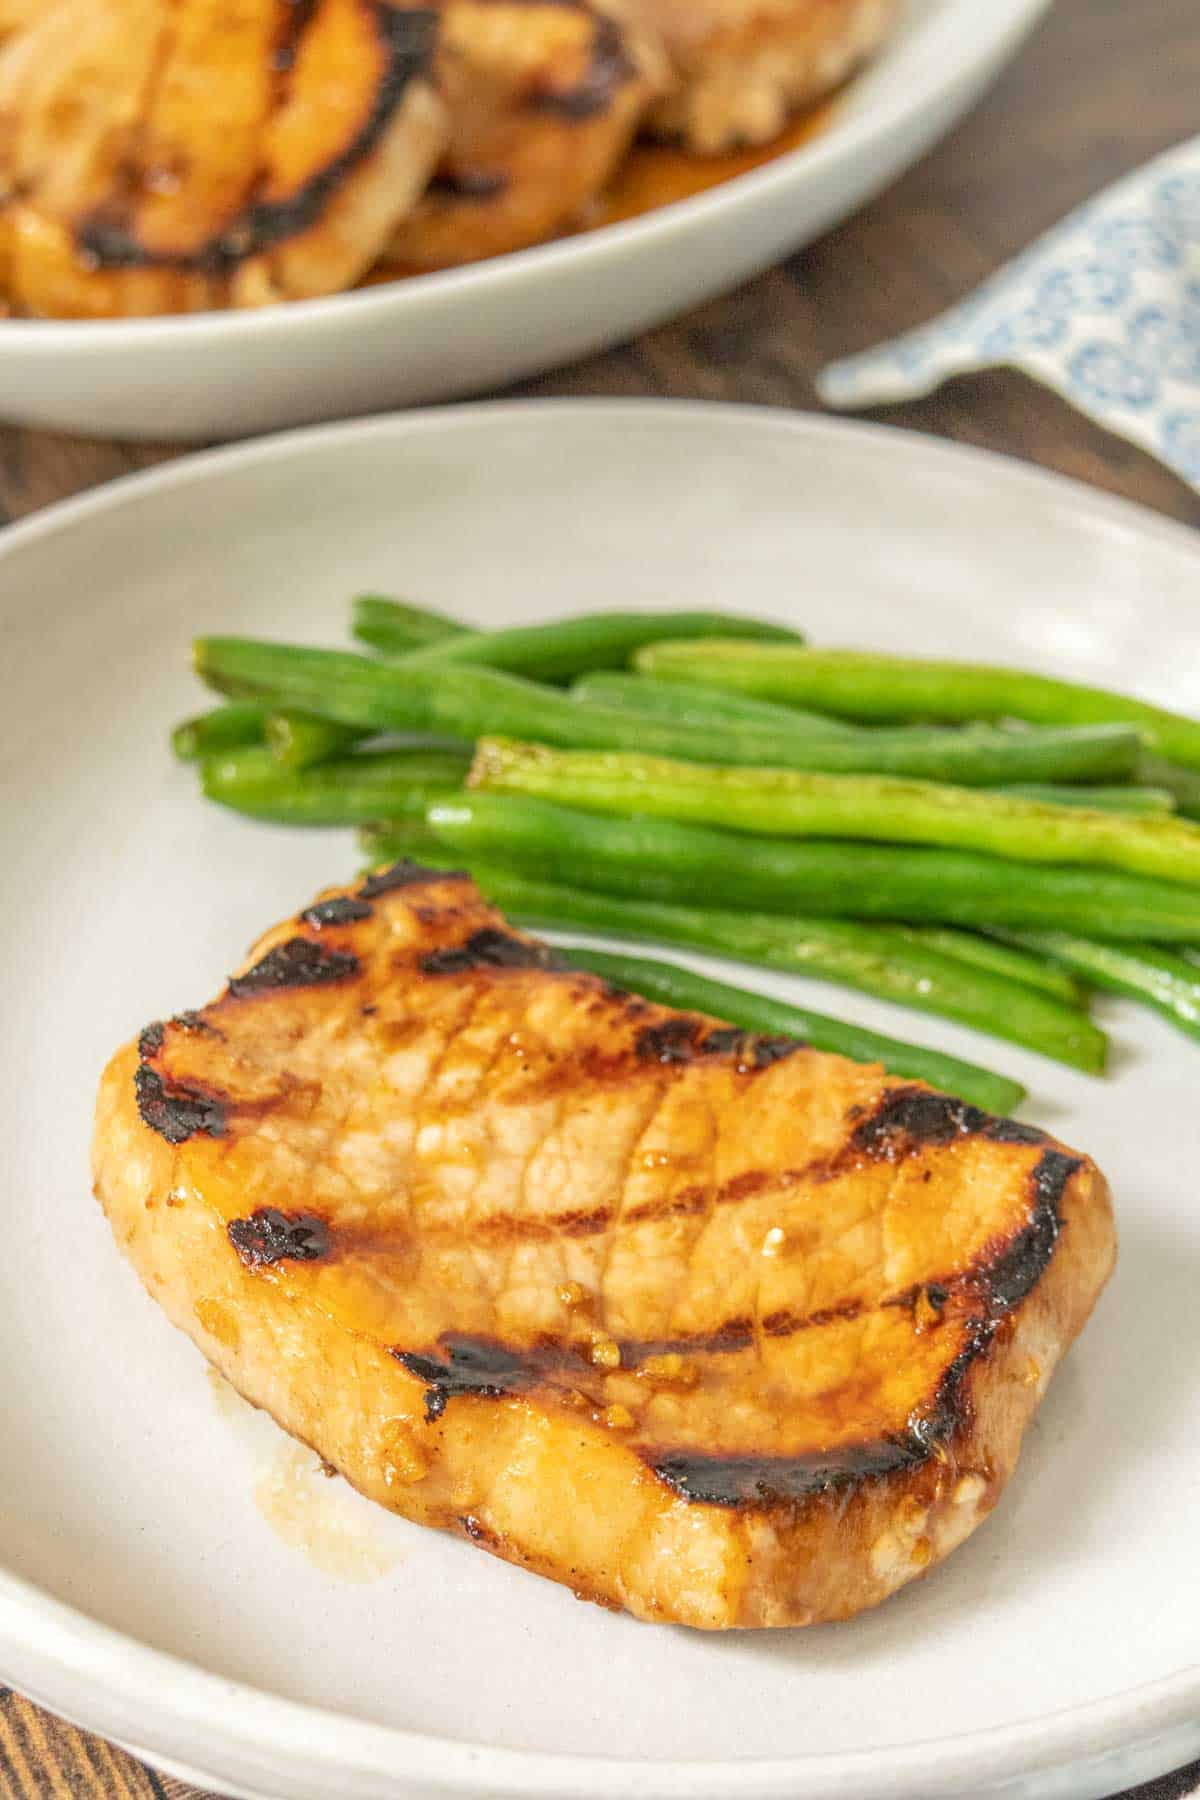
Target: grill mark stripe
729,1338
675,1040
467,187
740,1481
609,68
296,963
176,1111
343,909
269,1237
294,22
405,874
491,948
1016,1270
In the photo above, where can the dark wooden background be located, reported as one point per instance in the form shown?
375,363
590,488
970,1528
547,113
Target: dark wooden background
1104,85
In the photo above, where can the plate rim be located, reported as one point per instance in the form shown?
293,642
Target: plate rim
457,1767
995,36
104,1676
184,467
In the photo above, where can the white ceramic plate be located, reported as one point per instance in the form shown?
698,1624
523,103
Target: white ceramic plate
228,374
142,1591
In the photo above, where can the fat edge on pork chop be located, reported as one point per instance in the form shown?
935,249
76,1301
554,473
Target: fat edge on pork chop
708,1326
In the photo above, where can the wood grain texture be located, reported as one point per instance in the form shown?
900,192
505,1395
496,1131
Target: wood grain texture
1101,88
43,1759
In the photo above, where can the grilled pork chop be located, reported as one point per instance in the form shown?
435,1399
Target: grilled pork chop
744,66
166,155
543,100
706,1325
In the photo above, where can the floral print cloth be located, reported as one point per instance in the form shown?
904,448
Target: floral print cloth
1105,308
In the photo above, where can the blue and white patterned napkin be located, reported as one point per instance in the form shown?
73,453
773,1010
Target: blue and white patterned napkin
1105,308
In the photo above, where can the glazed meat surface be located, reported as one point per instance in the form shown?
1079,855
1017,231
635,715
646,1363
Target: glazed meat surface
543,100
742,67
707,1326
163,158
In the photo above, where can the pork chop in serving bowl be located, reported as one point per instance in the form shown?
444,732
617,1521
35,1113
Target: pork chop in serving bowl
708,1326
163,159
145,236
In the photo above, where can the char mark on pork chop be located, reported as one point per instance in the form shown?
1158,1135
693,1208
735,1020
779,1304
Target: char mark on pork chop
609,67
179,1112
269,1236
295,964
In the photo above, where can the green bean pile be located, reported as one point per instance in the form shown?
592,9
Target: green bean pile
978,843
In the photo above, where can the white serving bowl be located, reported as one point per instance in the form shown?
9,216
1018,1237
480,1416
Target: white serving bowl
435,337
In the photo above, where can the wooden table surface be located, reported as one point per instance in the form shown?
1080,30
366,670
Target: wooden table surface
1105,85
